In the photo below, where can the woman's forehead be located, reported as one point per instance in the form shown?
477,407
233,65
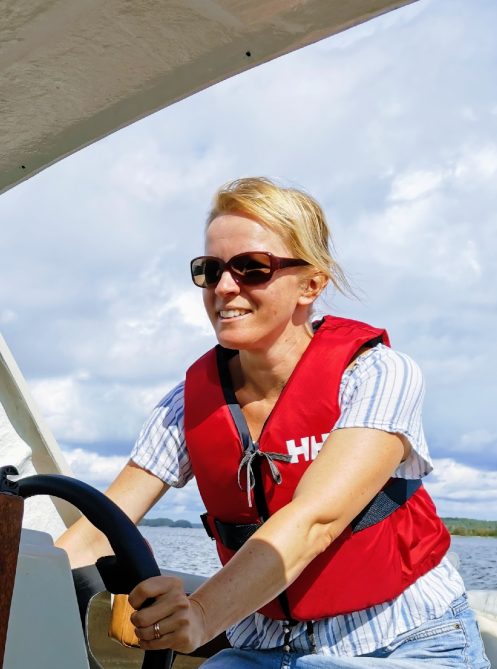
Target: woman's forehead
232,231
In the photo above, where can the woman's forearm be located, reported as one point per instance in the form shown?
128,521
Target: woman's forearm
84,544
134,490
268,562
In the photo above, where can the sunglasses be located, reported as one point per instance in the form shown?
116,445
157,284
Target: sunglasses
248,269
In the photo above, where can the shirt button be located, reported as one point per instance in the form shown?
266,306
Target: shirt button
286,630
286,649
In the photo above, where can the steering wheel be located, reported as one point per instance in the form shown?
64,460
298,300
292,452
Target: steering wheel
134,560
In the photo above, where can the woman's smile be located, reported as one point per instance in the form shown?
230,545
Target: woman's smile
233,314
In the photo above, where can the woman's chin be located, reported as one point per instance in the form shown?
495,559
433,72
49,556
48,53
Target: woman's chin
234,340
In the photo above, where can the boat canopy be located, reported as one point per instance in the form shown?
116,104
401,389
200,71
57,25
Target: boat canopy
72,72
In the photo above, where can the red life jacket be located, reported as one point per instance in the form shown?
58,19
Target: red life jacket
360,568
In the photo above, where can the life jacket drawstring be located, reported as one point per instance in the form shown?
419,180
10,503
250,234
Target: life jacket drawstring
247,460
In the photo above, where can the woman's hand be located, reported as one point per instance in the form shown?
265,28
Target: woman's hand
178,619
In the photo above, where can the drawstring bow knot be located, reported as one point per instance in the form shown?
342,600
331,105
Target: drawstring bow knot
247,460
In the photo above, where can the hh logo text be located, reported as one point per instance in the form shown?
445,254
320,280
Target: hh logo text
308,447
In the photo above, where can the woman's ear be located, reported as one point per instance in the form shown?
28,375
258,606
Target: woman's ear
312,287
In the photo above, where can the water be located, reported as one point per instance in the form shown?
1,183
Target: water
191,550
183,549
478,561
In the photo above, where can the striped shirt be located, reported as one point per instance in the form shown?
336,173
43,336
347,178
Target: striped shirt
383,390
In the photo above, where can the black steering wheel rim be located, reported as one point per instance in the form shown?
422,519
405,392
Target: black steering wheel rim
133,555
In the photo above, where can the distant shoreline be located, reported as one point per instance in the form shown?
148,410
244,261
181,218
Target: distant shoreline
469,527
464,527
167,522
483,534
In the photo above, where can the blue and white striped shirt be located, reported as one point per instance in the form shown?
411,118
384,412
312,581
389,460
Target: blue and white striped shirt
384,390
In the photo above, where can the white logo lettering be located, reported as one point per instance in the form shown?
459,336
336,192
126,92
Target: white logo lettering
295,450
305,442
316,446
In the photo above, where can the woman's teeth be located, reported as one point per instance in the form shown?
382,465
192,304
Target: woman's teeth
232,313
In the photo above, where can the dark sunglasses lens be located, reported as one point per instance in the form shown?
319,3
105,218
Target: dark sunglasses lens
252,268
206,271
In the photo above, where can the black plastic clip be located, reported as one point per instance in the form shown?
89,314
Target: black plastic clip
206,525
6,485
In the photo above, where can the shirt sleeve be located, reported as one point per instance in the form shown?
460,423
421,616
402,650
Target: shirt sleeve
385,391
160,447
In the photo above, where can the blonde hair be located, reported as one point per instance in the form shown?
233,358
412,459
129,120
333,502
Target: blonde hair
291,213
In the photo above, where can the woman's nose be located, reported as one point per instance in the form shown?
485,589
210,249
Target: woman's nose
227,284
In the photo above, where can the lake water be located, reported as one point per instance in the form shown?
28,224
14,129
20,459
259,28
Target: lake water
478,561
191,550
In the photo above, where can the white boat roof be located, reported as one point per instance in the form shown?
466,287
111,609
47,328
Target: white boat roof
72,72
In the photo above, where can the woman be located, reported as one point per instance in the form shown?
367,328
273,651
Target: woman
307,445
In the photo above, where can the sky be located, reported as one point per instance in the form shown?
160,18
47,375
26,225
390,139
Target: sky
391,126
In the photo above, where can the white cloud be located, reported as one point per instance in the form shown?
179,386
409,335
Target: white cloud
411,185
149,319
192,311
7,316
157,332
425,227
471,258
476,164
450,368
464,491
350,38
100,470
85,410
149,175
478,439
93,468
60,403
181,503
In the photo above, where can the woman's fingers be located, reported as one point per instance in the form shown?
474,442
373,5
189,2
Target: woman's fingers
167,614
166,641
167,591
182,630
172,620
161,628
152,588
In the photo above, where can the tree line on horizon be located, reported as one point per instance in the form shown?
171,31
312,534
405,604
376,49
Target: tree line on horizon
466,527
167,522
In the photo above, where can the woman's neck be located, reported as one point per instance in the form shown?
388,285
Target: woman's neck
263,374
